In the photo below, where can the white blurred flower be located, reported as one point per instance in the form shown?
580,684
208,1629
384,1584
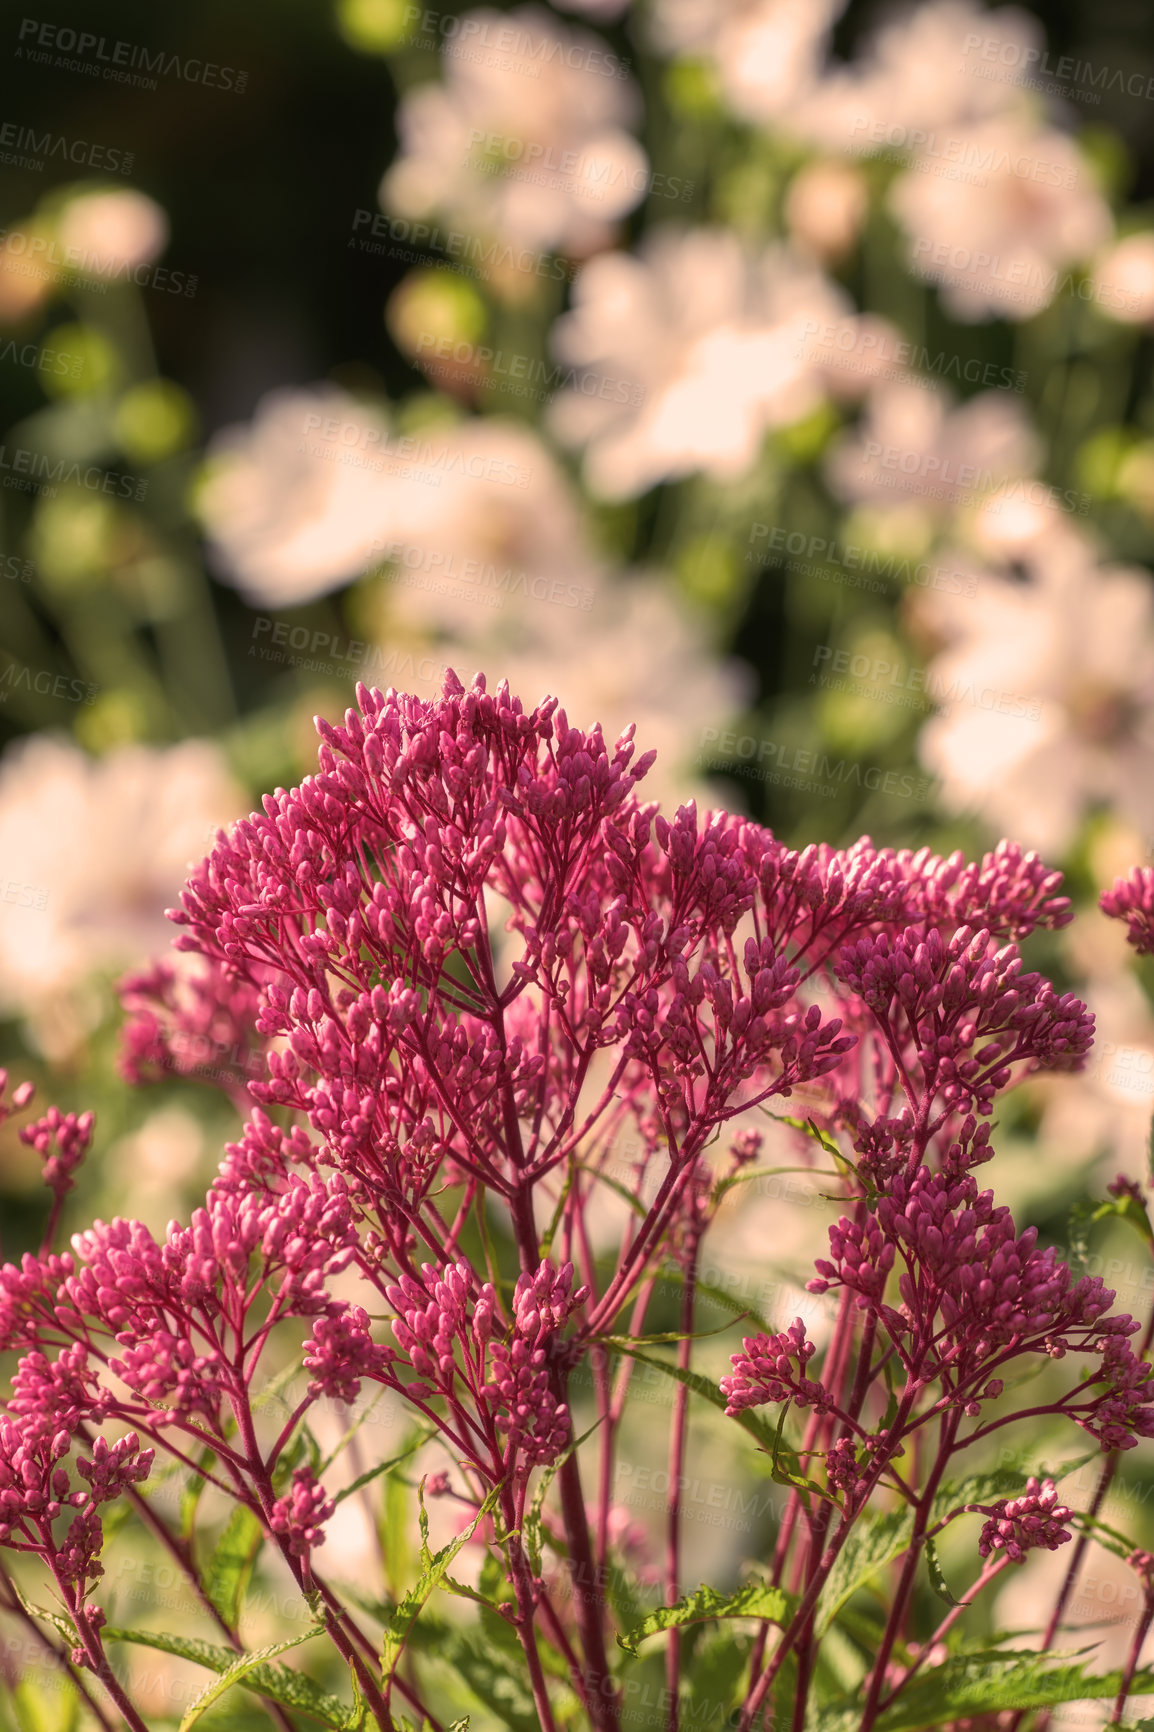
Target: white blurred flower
825,208
99,848
293,502
535,152
502,532
925,72
998,239
1055,676
1105,1110
601,11
157,1162
638,656
916,451
113,232
1124,280
693,351
768,53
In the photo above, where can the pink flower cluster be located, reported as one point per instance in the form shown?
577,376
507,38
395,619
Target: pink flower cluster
772,1368
1021,1524
1132,900
62,1139
470,958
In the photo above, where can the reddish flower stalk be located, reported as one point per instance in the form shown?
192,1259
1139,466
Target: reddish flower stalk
468,958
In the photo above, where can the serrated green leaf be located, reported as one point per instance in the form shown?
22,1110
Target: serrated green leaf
230,1568
494,1675
242,1666
873,1541
754,1600
291,1689
988,1683
532,1524
405,1614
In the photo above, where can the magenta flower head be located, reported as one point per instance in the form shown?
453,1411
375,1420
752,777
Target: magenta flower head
1021,1524
1132,900
455,971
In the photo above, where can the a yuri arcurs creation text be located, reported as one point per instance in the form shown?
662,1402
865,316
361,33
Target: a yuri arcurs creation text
469,964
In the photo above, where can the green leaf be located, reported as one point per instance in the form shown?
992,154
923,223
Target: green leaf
987,1683
703,1386
754,1600
873,1541
230,1567
435,1566
291,1689
627,1196
384,1466
559,1212
747,1177
240,1669
190,1497
532,1525
786,1469
494,1675
937,1580
877,1539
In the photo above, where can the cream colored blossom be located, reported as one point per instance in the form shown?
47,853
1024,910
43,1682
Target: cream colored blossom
1001,239
691,351
825,208
112,232
926,73
98,849
1124,279
1048,684
501,532
915,450
293,501
768,53
531,146
637,656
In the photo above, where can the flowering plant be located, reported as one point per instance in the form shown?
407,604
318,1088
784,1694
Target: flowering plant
474,960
